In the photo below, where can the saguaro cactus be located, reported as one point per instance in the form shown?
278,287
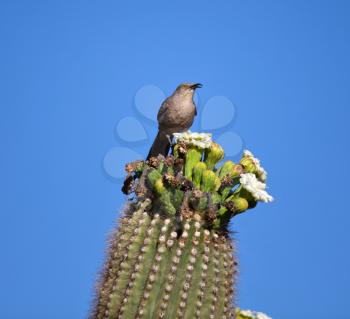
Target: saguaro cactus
171,256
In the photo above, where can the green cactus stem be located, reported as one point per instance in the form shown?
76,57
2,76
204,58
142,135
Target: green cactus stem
171,256
162,274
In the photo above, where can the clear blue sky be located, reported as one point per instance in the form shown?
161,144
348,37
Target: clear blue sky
69,70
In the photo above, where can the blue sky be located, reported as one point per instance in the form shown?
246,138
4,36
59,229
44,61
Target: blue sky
69,72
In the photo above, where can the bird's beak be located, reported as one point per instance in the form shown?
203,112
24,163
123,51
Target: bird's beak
196,86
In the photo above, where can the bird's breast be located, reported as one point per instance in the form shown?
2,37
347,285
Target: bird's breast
179,117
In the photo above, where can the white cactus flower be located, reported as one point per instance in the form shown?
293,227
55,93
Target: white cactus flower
253,314
255,187
260,170
202,140
248,154
260,315
247,313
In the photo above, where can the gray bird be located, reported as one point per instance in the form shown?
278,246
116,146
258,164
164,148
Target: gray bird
175,115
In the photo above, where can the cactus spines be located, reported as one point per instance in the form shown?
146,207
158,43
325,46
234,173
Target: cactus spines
117,252
139,277
155,278
172,256
119,295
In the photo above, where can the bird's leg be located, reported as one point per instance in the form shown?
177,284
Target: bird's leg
170,139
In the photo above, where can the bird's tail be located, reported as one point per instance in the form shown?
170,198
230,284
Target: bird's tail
161,145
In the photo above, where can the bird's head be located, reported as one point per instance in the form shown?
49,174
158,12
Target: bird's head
187,88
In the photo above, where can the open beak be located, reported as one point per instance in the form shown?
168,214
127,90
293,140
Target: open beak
196,86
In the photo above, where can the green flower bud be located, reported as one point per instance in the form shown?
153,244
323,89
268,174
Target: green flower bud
216,198
238,204
243,193
230,180
241,204
217,171
164,197
231,207
210,182
160,168
226,169
213,155
193,156
159,186
198,170
248,164
252,164
153,176
237,170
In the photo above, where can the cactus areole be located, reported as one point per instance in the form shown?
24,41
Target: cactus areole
171,256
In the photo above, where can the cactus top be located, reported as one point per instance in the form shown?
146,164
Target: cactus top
189,182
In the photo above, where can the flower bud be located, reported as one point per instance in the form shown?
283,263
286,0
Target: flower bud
215,198
153,176
226,169
198,170
193,156
252,165
243,193
210,182
248,164
164,197
239,204
236,170
159,186
213,155
230,173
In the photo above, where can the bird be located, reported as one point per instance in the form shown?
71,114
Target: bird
176,115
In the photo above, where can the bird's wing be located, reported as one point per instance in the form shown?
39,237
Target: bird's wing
164,107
